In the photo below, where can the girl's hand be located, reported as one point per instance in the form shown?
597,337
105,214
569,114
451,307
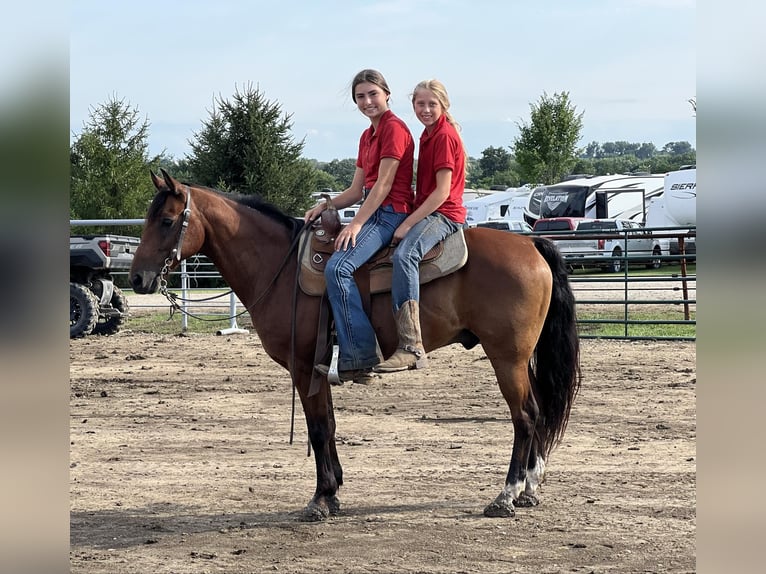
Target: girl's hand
314,212
347,237
400,232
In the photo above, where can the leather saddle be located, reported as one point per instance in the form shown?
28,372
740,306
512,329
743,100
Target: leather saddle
318,245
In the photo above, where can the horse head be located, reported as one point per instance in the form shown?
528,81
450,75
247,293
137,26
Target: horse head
170,234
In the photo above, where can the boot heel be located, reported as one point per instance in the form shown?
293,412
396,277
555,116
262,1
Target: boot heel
422,362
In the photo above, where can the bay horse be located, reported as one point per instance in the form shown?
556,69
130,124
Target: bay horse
512,296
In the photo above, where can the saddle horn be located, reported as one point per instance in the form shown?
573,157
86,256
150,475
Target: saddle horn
329,219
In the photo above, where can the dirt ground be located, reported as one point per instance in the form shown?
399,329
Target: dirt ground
180,463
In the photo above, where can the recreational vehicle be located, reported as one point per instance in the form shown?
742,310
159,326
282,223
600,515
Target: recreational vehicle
596,197
508,204
675,208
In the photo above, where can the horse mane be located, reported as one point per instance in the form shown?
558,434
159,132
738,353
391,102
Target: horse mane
293,224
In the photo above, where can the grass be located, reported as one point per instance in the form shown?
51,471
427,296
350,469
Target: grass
657,325
161,323
641,271
158,323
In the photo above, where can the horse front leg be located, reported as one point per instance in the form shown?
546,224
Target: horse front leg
321,428
524,418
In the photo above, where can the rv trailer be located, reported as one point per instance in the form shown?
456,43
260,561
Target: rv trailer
596,197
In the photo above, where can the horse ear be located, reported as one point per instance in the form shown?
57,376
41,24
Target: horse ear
172,184
156,181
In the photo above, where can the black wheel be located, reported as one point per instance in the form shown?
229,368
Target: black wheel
83,310
110,324
656,263
615,265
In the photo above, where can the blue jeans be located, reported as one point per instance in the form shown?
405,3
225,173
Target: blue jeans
356,337
406,259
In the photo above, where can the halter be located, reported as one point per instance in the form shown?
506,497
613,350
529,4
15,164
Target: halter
184,226
176,251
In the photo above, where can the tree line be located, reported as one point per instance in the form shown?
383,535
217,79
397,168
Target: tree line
246,146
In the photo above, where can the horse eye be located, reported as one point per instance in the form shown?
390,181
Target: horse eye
167,222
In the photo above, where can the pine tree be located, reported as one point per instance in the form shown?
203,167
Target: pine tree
246,146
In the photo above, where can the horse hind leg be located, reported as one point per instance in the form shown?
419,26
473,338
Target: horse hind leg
535,476
515,386
535,463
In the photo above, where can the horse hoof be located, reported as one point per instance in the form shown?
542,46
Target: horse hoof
314,513
499,510
526,500
334,506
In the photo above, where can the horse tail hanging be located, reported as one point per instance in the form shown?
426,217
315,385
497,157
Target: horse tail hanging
557,355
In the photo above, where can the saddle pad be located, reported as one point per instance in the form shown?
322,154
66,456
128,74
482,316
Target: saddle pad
454,255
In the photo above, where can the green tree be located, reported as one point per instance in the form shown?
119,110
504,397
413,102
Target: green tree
341,170
545,149
494,160
179,168
247,146
109,167
677,148
646,150
496,167
592,150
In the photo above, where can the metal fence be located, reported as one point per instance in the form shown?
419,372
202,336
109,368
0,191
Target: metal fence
624,304
609,305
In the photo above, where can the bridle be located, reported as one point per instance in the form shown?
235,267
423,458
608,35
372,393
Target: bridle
176,251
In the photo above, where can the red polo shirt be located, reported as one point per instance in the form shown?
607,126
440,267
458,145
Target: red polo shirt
391,139
441,149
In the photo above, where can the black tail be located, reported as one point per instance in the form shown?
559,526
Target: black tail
557,356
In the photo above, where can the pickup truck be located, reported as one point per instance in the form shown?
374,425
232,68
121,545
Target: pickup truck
96,304
609,243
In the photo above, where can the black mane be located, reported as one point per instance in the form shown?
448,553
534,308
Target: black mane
293,224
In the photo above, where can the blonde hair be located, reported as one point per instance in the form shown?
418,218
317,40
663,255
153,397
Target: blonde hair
438,90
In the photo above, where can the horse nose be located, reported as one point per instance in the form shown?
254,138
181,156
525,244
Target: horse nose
140,283
135,281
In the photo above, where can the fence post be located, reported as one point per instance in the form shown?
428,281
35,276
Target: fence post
233,328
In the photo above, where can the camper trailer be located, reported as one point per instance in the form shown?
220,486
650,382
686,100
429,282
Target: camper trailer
675,208
596,197
508,204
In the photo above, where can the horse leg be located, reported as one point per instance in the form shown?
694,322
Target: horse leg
515,387
535,463
336,467
535,474
321,429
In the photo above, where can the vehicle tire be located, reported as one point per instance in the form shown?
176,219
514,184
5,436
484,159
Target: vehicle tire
83,311
655,263
110,325
615,265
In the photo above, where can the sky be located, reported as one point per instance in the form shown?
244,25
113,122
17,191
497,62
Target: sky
628,65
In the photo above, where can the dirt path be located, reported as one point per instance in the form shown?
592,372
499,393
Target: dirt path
180,463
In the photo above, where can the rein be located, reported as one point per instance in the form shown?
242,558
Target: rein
173,298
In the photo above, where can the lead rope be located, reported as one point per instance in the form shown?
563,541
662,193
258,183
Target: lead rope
174,305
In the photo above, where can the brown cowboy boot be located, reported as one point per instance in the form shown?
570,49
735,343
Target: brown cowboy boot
410,354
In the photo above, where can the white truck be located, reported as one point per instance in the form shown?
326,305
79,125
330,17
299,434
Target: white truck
609,244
